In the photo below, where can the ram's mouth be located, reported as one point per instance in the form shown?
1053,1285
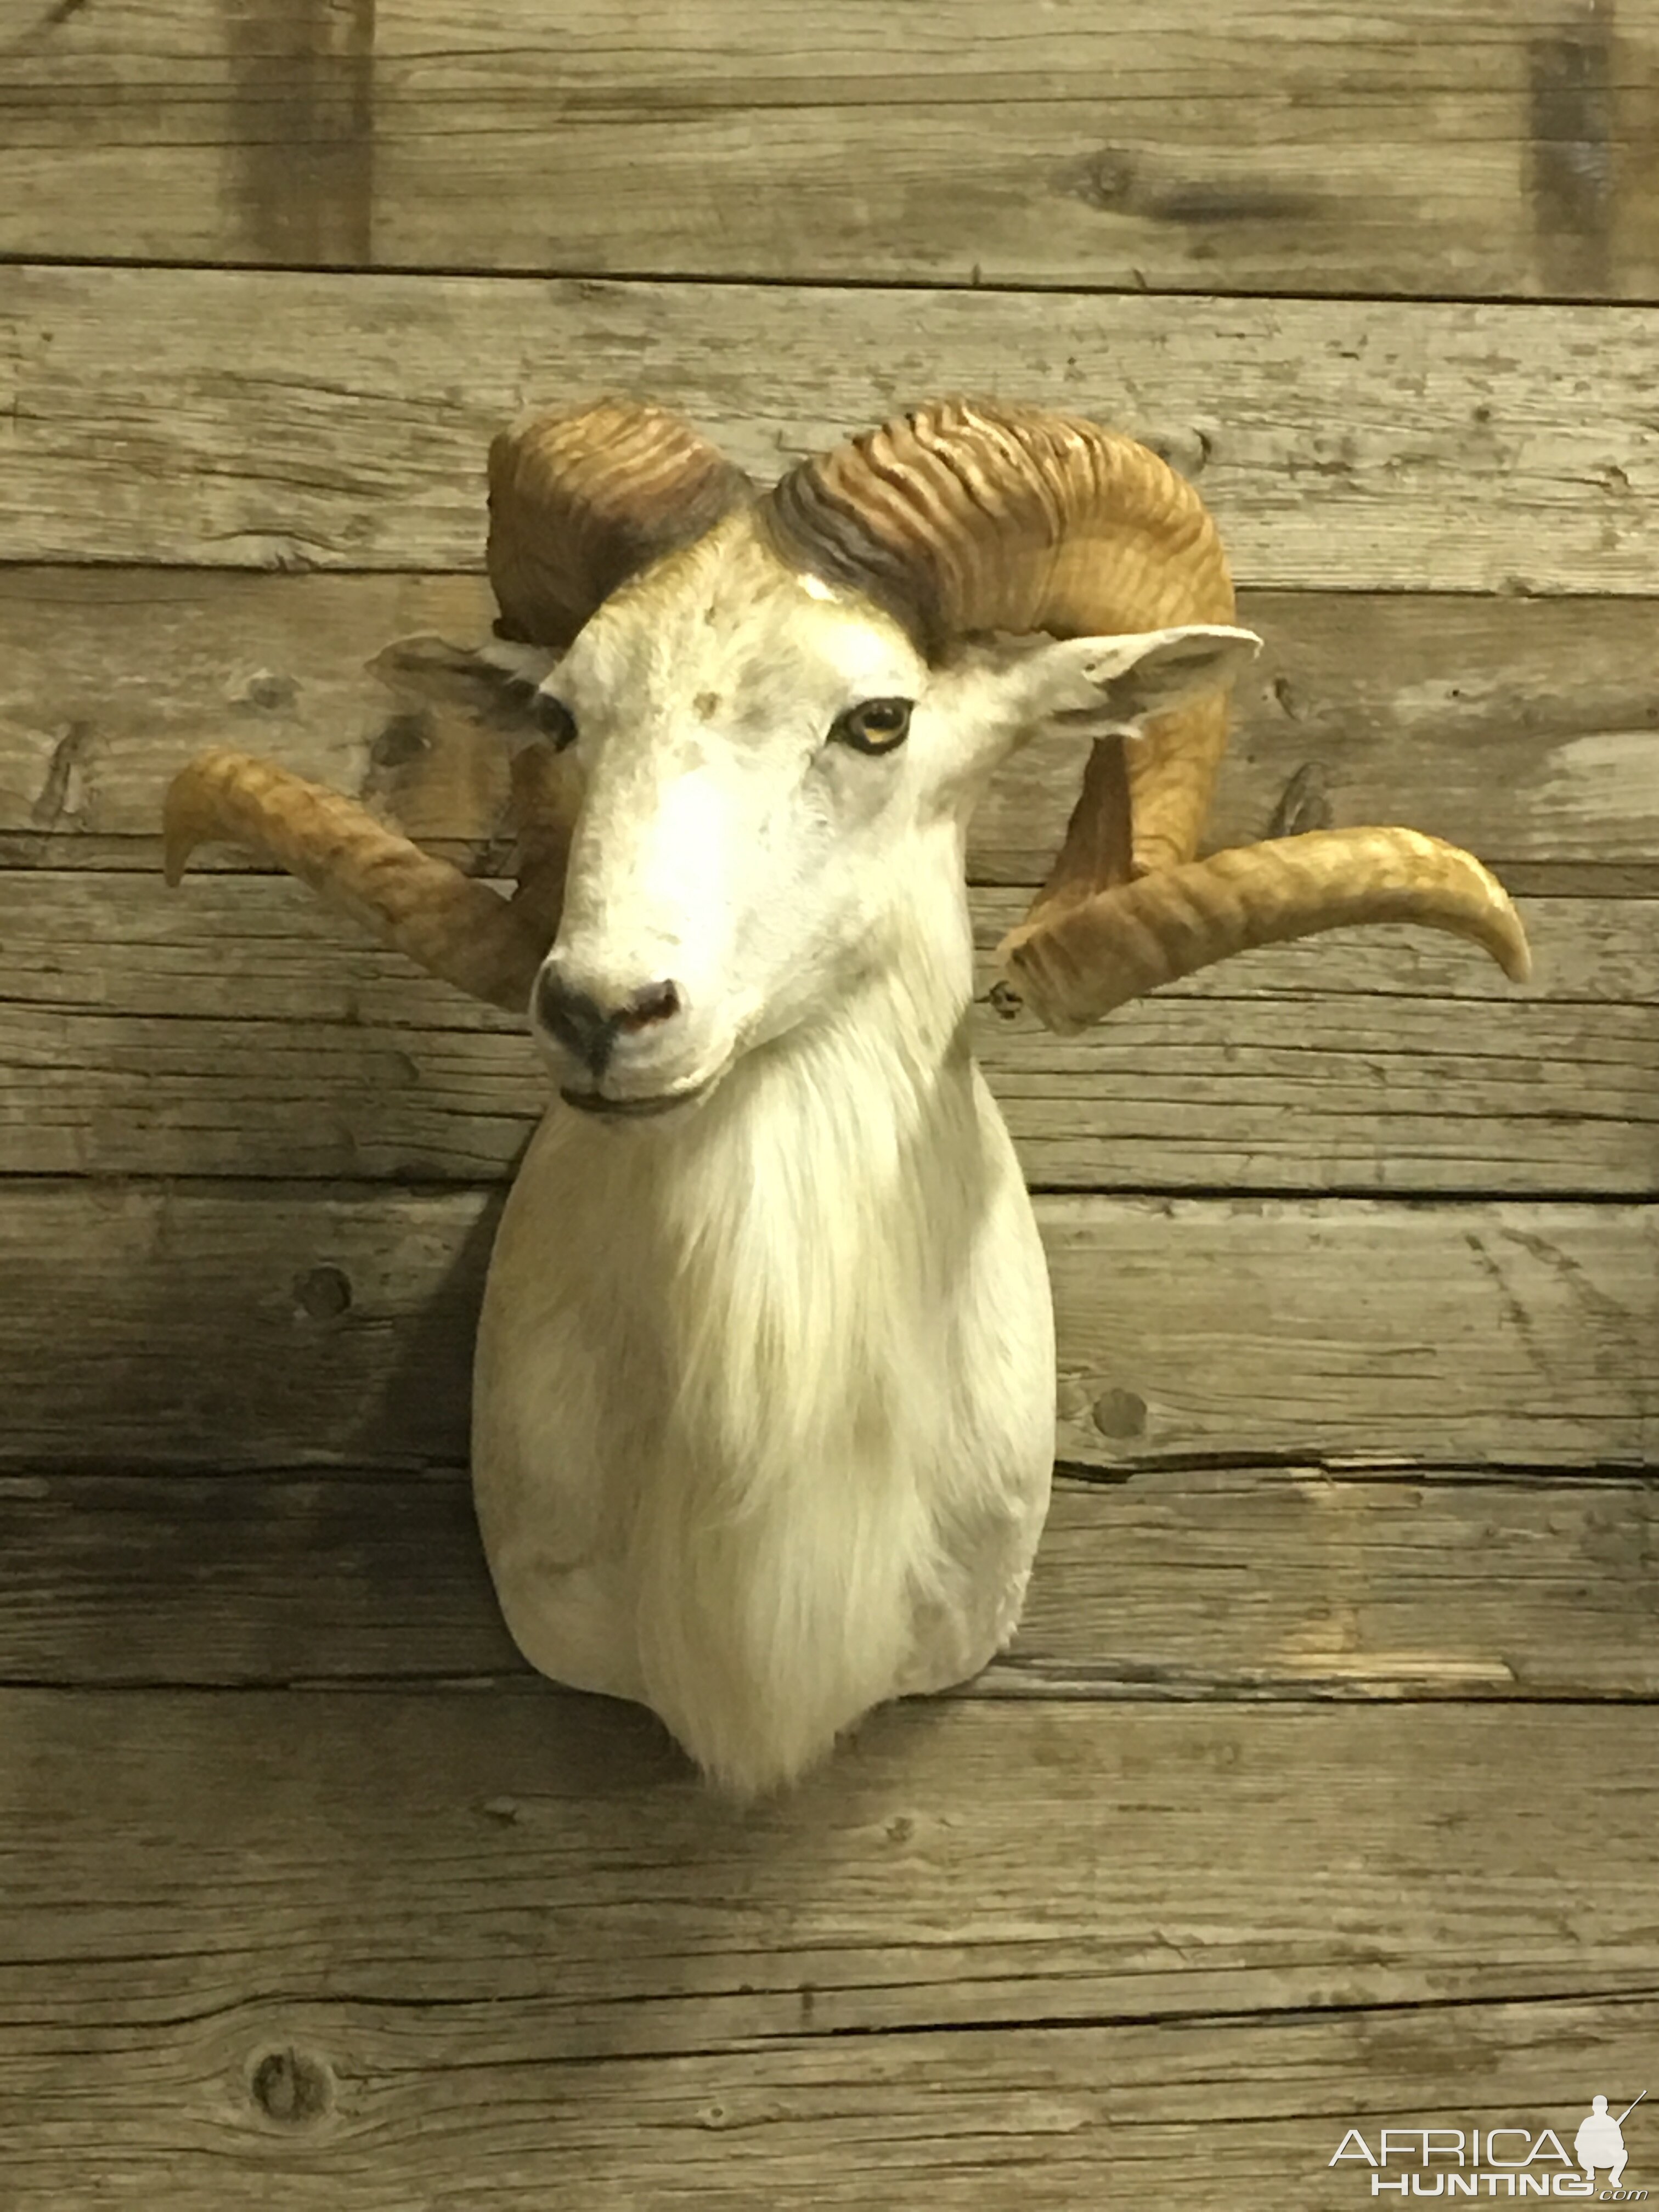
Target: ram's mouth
606,1109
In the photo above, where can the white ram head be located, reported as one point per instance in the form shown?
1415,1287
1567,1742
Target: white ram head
760,714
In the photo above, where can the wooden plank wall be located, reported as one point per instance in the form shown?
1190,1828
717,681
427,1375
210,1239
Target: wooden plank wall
1319,1790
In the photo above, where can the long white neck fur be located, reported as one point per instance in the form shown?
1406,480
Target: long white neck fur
768,1287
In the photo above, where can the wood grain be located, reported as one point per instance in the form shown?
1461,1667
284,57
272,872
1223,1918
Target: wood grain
275,1324
298,420
1422,147
366,1948
1182,1585
1248,2113
236,1028
453,1850
1527,730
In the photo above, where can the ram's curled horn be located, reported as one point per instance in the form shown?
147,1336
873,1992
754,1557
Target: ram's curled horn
579,503
1081,964
963,517
456,928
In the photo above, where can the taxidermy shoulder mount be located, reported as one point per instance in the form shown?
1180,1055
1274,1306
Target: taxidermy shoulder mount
764,1393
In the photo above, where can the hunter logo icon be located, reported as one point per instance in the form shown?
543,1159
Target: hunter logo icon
1508,2159
1600,2141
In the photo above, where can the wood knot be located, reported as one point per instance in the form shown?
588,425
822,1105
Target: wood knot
1188,449
1107,180
66,774
293,2087
1304,805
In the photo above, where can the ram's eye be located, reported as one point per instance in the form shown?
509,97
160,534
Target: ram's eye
554,719
874,725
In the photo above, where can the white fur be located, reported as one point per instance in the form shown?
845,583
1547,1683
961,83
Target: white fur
764,1409
766,1395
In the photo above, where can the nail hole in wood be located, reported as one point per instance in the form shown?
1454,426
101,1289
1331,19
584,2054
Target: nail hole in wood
270,692
1120,1414
323,1295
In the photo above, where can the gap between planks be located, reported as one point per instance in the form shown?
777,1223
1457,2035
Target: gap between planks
713,280
1296,1584
1527,730
236,1028
1333,438
240,1324
1248,2108
1187,147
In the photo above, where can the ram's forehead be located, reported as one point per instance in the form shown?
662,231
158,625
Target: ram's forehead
726,629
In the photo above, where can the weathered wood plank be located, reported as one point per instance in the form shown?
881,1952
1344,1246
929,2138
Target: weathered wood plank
1425,146
1527,730
1248,2113
296,419
1293,1584
236,1028
275,1324
542,1877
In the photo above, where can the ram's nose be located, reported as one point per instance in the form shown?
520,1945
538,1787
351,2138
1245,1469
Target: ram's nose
588,1028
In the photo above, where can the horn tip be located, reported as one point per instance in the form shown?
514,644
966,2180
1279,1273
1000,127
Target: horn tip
1506,937
1514,956
186,818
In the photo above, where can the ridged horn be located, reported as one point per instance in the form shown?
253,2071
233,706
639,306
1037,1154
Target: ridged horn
579,502
458,929
965,516
1079,965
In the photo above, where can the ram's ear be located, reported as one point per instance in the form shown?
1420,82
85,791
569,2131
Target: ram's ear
440,764
1100,685
492,684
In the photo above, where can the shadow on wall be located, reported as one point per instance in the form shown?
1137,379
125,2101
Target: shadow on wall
422,1408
